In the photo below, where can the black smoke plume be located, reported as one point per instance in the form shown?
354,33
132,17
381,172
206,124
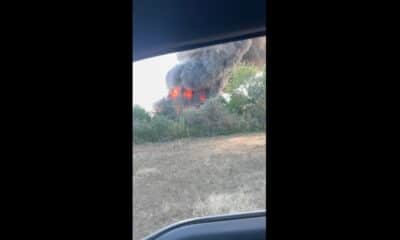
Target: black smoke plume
205,71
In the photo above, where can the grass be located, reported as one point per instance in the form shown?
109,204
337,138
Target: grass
189,178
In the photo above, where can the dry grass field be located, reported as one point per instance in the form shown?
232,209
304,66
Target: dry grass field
189,178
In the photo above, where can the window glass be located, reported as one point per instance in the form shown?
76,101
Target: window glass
199,121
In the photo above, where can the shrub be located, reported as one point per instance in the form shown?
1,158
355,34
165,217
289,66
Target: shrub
166,108
256,111
245,111
238,103
162,128
140,114
159,128
195,122
240,75
142,131
211,119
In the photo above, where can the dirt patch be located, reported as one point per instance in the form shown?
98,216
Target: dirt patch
189,178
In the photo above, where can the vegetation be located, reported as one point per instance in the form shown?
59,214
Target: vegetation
241,75
243,111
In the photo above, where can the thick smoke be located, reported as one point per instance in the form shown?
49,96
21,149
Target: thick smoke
208,68
204,72
257,52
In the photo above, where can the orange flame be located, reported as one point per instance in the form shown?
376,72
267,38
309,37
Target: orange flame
188,94
174,93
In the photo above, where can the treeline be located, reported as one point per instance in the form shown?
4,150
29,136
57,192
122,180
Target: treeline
243,110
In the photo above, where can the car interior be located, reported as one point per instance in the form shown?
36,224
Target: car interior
161,27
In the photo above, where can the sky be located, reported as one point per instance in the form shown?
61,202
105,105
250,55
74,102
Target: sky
149,83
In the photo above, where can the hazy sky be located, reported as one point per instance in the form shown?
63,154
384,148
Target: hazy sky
149,83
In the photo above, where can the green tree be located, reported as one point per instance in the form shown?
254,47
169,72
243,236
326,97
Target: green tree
237,103
256,108
240,76
140,114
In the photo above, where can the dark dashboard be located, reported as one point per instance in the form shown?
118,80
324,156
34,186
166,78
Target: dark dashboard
161,26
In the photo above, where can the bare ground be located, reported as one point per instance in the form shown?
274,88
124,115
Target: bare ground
197,177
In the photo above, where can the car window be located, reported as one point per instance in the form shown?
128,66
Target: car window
199,127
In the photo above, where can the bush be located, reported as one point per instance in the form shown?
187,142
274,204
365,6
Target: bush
249,98
256,111
142,131
211,119
195,122
238,103
159,128
166,108
240,75
245,111
140,114
162,128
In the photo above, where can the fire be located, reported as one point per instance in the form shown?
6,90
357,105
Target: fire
174,93
188,94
